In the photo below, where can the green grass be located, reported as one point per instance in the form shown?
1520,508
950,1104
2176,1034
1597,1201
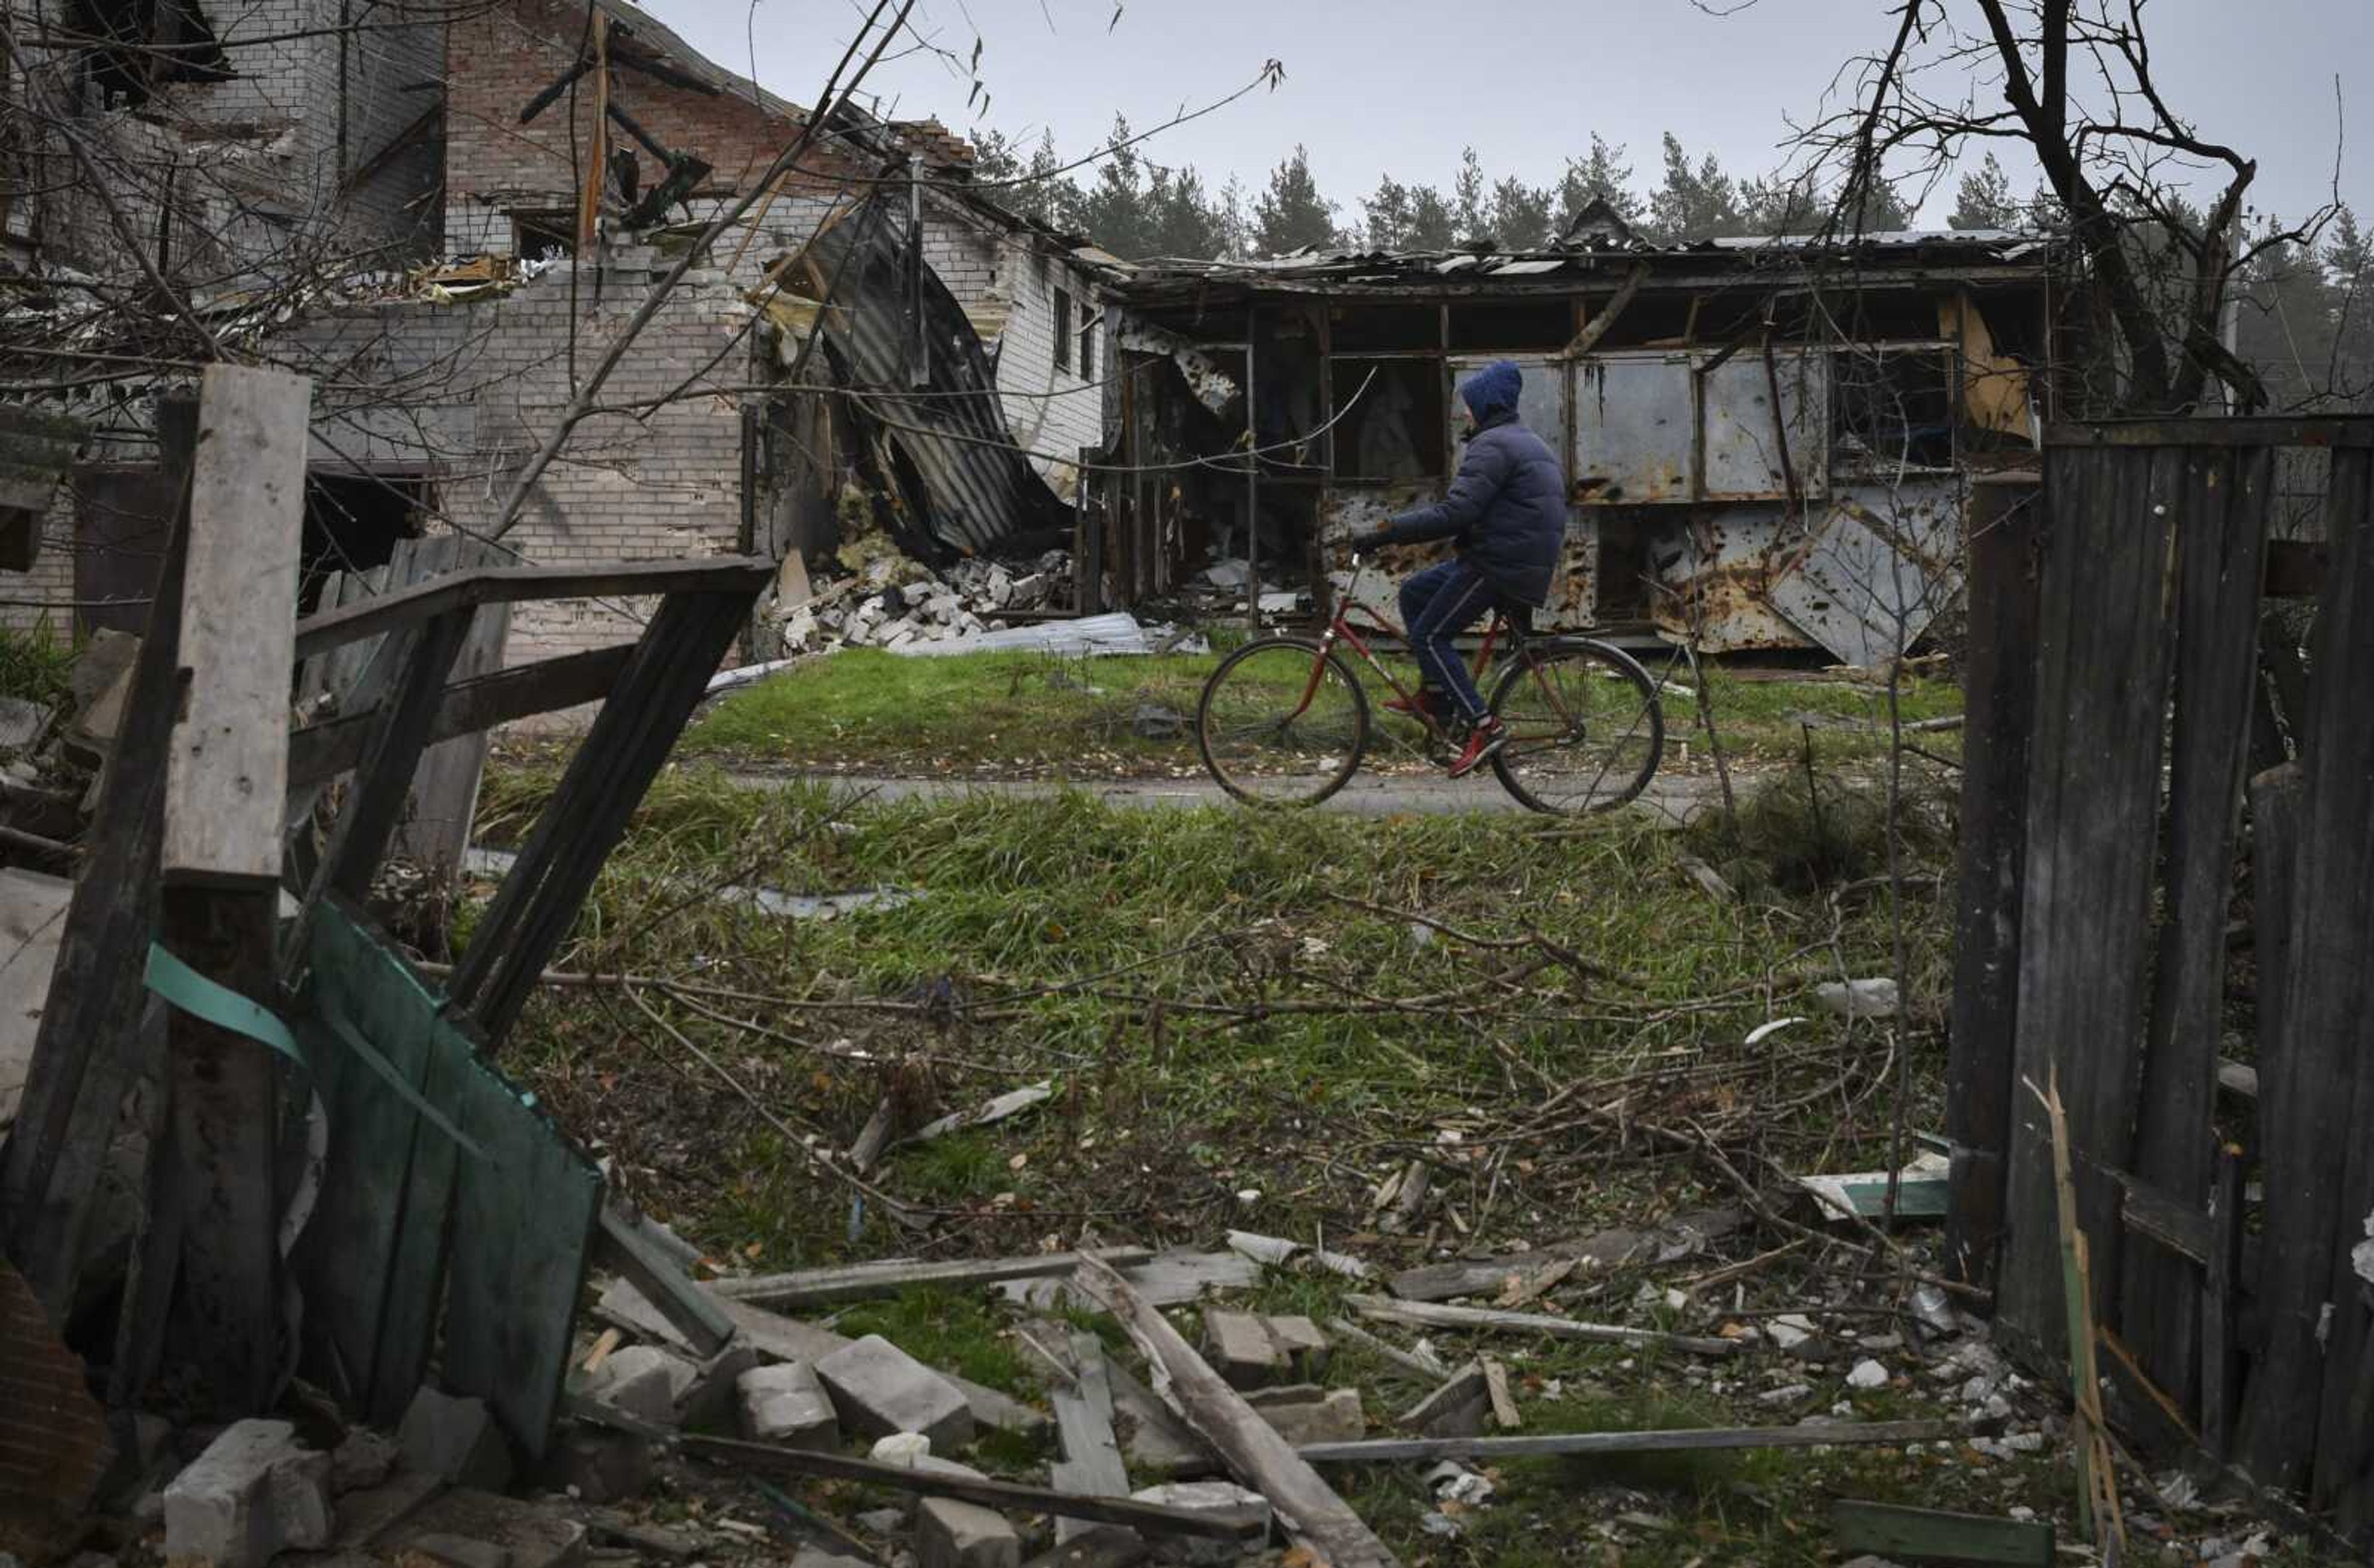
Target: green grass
866,710
34,664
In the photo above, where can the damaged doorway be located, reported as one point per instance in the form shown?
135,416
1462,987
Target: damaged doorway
353,520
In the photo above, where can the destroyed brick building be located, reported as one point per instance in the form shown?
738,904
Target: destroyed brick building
408,200
1769,442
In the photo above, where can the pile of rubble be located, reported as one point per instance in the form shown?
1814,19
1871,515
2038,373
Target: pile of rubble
889,600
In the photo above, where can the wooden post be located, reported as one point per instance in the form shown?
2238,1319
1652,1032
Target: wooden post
2005,525
225,775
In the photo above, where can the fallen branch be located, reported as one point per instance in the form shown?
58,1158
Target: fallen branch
1253,1451
1432,1314
859,1282
1825,1435
1149,1517
1418,1363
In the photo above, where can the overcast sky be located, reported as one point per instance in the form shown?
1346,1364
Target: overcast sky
1375,87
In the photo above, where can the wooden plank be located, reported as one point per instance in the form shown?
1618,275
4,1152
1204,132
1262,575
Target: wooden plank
1481,1319
626,747
2221,533
2092,813
2168,1224
862,1281
1505,1414
689,1309
223,1090
1255,1455
1454,1409
1153,1517
319,752
1931,1535
511,585
435,832
2329,1007
1092,1463
227,770
50,1160
2346,431
2276,827
1424,1368
2221,1370
2309,1075
1999,686
1818,1434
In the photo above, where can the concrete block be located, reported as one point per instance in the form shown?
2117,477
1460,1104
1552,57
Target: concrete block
1240,1348
1336,1418
364,1459
1206,1496
461,1550
949,1534
645,1382
709,1403
456,1440
254,1493
785,1404
880,1389
1304,1346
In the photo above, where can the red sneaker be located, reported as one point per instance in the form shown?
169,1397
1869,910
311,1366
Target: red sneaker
1423,705
1482,740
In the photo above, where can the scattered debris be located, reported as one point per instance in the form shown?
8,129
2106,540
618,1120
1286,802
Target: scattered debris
254,1494
1872,998
1930,1535
880,1389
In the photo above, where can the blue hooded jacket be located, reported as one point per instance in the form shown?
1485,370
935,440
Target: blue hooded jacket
1507,507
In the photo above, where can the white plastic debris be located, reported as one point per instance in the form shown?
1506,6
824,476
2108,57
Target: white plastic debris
1872,998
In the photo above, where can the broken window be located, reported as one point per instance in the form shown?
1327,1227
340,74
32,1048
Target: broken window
1389,419
543,237
1088,340
133,47
352,522
1063,338
1892,409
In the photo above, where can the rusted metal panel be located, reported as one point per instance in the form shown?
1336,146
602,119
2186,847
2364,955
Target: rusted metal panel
1542,403
1883,563
1745,458
1634,428
1713,570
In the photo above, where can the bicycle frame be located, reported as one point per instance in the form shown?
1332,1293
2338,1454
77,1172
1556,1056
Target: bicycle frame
1342,627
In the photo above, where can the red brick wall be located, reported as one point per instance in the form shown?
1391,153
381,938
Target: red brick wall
497,60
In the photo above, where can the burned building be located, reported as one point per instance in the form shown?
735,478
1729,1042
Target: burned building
1769,442
451,269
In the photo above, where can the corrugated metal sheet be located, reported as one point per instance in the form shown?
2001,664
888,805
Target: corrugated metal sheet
964,482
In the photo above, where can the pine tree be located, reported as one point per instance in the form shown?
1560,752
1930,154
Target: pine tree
1603,176
1693,204
2350,265
1432,226
1112,209
1984,199
1471,214
1520,215
1291,214
1386,216
1774,208
1182,220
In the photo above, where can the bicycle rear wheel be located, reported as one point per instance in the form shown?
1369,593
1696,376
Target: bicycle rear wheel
1282,722
1585,733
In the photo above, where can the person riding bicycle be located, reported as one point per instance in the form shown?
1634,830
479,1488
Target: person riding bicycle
1507,511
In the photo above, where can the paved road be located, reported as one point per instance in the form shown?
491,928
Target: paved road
1673,798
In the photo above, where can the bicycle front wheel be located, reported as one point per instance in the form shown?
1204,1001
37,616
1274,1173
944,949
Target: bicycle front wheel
1585,733
1282,722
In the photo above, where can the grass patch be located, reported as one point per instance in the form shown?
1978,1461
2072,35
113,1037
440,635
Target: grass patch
955,1332
34,665
1036,715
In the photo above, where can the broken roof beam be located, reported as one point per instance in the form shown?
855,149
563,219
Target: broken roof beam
1603,320
319,752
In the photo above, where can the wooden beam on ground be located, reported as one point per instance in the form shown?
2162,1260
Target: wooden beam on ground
862,1281
1686,1441
1092,1464
1253,1451
689,1309
319,752
1426,1368
1480,1319
1931,1535
511,585
1152,1518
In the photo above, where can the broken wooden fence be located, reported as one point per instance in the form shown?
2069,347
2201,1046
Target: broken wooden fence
2115,634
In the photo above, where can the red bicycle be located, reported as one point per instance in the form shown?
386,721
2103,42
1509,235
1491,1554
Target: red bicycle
1284,721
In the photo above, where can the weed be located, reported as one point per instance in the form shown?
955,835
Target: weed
956,1332
34,664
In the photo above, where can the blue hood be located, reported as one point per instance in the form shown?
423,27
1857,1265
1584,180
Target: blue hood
1492,391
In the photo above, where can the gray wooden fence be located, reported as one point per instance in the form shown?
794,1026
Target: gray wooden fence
2099,916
